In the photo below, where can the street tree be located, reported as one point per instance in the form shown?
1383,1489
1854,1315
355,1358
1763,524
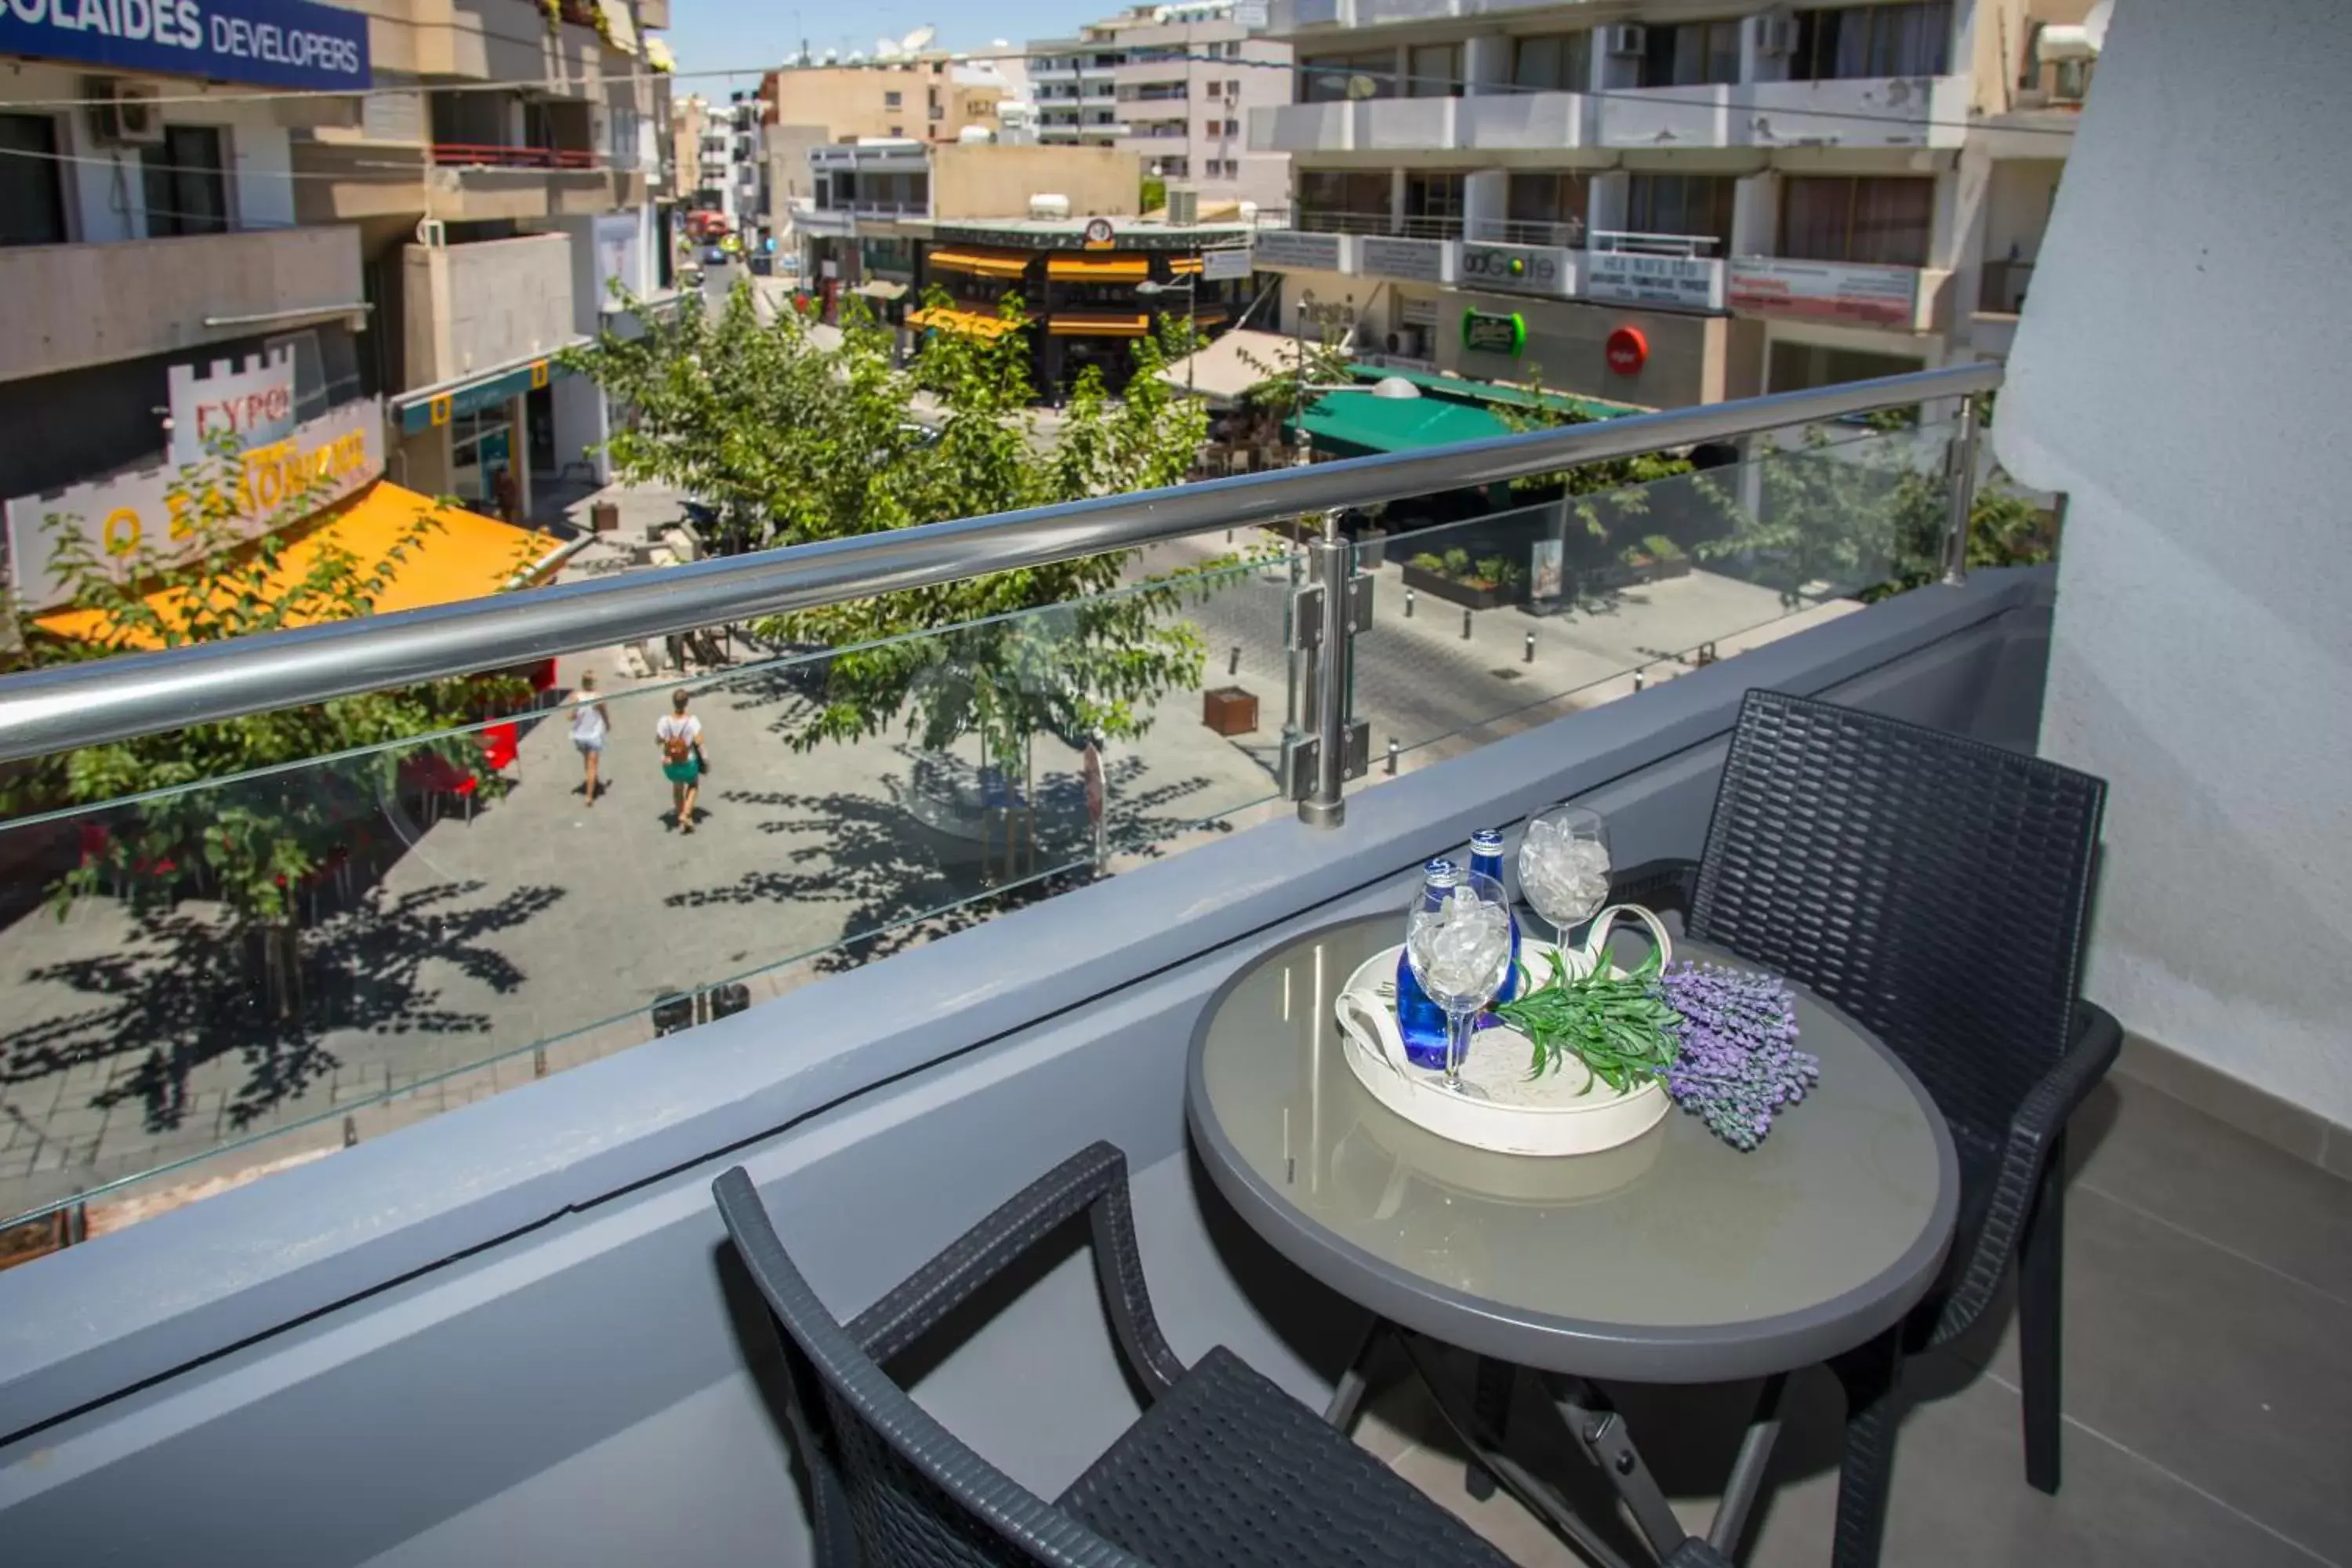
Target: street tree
792,434
218,809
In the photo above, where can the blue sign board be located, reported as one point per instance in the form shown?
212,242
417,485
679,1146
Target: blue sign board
271,43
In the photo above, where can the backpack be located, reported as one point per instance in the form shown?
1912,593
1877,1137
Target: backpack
677,748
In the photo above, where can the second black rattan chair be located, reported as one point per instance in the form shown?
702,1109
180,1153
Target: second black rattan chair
1224,1468
1937,889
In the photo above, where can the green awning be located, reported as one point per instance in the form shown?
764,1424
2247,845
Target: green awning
1359,425
1462,389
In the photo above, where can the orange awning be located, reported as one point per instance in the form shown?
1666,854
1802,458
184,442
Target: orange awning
986,263
466,556
1184,263
1098,269
970,323
1083,324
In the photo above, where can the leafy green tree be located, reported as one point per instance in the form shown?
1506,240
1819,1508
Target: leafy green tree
250,843
794,438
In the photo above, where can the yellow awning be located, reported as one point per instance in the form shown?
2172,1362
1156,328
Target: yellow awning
1184,263
658,56
1081,325
1099,269
466,556
987,263
970,323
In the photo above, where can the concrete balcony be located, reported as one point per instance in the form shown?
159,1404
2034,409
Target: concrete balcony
1871,111
349,181
1508,122
1381,124
63,307
473,307
1668,117
1889,299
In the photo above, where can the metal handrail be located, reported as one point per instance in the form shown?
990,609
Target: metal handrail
108,700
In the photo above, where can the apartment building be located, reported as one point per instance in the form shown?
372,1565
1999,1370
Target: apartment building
493,221
923,97
1057,227
1176,85
1668,203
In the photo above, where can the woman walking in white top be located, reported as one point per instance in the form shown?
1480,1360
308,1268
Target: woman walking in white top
679,733
590,725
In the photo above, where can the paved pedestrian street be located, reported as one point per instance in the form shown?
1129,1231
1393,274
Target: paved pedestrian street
466,957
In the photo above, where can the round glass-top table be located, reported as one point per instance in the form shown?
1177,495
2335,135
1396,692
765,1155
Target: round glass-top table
1673,1259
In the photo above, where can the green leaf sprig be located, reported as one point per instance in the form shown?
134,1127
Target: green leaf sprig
1615,1025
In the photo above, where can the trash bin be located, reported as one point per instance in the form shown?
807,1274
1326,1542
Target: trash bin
605,517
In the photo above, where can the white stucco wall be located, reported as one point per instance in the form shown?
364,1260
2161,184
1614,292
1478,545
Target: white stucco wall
2182,371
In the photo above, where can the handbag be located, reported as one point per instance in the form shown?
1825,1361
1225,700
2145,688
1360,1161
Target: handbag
701,765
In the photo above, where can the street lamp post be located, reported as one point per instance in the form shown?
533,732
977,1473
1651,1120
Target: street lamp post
1191,289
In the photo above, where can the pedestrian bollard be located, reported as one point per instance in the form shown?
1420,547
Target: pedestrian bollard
1465,625
1234,664
1392,756
1640,679
1529,654
1408,604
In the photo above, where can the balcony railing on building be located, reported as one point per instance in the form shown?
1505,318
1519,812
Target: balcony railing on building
493,155
1403,226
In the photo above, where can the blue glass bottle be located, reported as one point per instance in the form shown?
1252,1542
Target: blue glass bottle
1486,860
1419,1019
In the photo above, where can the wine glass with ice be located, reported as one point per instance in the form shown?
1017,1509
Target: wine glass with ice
1458,942
1564,867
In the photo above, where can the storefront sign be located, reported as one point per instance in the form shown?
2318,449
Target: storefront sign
1415,260
1416,310
1628,349
318,464
1487,333
251,399
617,256
1516,268
273,43
1224,265
1826,291
1098,234
1290,247
1688,282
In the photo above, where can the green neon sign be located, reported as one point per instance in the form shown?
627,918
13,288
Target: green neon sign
1486,331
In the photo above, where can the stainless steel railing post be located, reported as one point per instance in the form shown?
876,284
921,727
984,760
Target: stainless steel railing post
1964,495
1324,749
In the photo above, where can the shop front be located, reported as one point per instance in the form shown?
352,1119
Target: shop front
487,441
1658,359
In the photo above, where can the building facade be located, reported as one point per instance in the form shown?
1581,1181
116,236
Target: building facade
925,98
1664,204
1056,230
1175,85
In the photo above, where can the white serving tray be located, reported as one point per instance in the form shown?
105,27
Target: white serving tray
1556,1114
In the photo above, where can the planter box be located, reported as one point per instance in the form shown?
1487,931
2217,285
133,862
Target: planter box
1229,710
1439,587
1622,575
605,517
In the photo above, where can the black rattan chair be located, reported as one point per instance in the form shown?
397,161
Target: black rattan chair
1224,1468
1937,889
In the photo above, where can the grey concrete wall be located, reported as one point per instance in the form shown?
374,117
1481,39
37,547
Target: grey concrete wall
2203,657
512,1335
474,307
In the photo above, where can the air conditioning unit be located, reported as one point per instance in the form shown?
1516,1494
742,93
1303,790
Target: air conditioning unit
124,113
1628,39
1184,206
1776,35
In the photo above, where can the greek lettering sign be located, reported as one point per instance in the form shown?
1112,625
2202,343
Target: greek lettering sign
251,399
1487,333
1418,260
1518,268
273,43
1278,248
1691,282
338,452
1826,291
1223,266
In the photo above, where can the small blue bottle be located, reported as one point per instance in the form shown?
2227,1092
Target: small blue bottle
1419,1019
1486,860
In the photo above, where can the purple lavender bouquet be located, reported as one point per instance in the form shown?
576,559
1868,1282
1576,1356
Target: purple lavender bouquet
1736,1063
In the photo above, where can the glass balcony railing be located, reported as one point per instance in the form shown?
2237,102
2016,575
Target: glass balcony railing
206,983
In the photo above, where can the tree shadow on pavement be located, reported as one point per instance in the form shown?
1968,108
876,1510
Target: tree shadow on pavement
188,991
900,882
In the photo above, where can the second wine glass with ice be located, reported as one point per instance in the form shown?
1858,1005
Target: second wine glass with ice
1564,867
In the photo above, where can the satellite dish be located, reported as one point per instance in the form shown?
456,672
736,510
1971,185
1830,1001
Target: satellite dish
1361,87
913,42
857,57
885,48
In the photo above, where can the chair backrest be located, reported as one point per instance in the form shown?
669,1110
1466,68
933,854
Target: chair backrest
1934,886
914,1496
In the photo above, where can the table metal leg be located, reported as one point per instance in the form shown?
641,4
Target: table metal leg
1522,1483
1601,1431
1747,1469
1348,1395
1490,1409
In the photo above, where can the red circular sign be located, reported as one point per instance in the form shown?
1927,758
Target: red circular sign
1628,349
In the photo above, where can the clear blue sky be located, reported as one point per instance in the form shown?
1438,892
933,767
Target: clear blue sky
752,35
